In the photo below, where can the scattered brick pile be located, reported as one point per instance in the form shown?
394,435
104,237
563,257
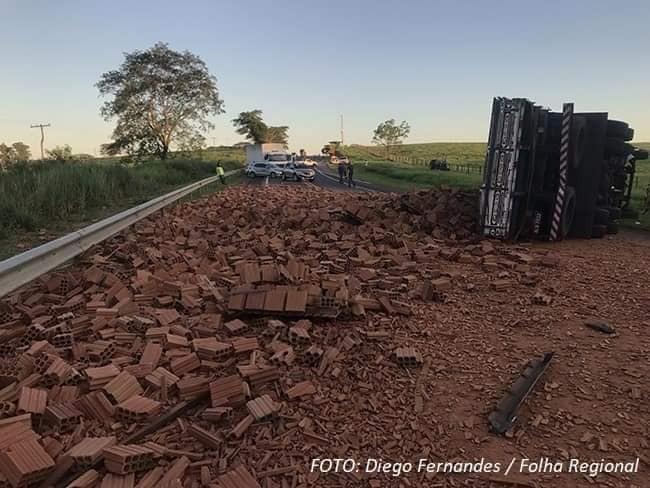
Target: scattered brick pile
444,213
270,305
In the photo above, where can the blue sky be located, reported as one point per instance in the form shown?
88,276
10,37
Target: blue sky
436,64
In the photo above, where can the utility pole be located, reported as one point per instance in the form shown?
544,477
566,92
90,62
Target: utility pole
341,129
41,126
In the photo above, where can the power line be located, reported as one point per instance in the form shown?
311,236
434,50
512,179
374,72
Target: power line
41,126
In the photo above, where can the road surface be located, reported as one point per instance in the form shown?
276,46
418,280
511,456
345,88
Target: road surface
324,178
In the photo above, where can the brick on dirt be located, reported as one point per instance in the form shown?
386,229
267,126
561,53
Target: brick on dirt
314,324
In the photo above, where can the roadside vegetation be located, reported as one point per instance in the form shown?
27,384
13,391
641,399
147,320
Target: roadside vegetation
404,177
50,198
467,153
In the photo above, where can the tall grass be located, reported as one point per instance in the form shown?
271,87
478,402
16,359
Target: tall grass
33,195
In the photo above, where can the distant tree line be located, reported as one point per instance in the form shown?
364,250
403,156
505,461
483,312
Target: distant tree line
17,152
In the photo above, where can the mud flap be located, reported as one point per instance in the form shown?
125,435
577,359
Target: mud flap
504,416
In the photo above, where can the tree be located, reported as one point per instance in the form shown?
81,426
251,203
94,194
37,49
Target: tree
277,134
22,151
158,95
251,125
190,144
389,134
9,155
60,153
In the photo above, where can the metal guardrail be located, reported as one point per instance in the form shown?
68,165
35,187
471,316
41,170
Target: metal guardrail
24,267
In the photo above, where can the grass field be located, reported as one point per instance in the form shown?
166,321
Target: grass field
405,177
466,153
42,200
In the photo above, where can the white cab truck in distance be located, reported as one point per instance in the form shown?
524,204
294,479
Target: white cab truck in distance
270,151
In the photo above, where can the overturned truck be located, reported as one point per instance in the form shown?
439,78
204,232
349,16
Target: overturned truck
550,175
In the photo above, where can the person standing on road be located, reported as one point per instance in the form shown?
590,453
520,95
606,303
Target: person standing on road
221,173
351,182
341,169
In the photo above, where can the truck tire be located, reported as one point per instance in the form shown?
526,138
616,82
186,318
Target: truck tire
629,213
598,231
640,154
612,228
568,212
579,140
618,147
614,213
620,130
601,216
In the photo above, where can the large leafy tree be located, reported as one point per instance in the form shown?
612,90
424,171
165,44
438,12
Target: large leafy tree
159,97
388,134
9,155
252,125
60,153
278,134
22,151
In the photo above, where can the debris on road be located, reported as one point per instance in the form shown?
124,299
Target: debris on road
600,326
239,336
504,416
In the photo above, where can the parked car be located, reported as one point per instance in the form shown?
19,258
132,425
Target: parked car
298,172
277,169
259,169
309,162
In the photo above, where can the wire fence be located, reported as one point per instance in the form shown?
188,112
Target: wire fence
466,168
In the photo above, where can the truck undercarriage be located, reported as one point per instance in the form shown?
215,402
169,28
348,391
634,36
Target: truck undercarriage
549,175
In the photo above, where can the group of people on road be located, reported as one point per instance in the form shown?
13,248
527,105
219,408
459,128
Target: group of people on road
346,174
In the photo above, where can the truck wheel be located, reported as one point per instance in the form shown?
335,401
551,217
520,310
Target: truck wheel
598,231
578,141
601,216
612,228
619,130
630,213
640,154
618,147
568,212
614,213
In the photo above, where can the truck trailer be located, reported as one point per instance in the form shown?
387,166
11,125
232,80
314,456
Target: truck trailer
551,175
